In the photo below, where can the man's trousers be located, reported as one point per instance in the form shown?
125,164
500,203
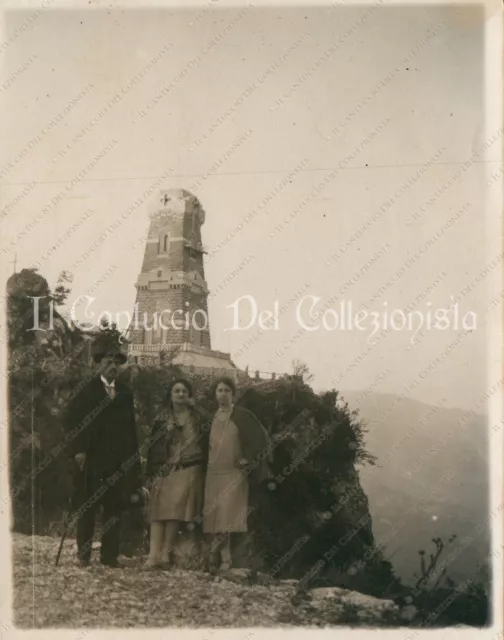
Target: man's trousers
111,502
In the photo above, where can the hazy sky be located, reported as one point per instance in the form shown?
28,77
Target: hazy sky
417,74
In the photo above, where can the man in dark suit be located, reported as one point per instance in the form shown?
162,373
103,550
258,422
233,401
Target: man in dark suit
103,443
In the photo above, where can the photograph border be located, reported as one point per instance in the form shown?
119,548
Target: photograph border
494,224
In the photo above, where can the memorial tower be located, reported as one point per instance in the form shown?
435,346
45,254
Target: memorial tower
171,310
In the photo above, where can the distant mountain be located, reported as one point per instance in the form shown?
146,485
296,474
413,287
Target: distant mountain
432,454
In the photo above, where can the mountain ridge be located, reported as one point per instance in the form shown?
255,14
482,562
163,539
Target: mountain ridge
355,393
432,456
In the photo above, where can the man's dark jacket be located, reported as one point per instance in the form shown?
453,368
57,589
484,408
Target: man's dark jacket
104,429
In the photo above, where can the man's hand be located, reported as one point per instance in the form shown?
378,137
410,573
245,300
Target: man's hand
242,463
80,459
141,495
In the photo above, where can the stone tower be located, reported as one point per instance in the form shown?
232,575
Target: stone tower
171,311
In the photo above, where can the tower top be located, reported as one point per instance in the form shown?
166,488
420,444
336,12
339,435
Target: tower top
176,201
176,193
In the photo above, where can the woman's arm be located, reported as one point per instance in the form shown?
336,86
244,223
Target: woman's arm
254,442
156,449
253,436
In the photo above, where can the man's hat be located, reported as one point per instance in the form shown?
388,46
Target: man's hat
105,344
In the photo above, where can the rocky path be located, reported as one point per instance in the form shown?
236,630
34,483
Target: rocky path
71,597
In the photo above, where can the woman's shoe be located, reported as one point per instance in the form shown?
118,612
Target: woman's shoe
225,566
151,566
213,564
167,562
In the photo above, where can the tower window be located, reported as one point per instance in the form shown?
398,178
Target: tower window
159,274
163,243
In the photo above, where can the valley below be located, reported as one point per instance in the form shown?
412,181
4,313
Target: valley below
431,480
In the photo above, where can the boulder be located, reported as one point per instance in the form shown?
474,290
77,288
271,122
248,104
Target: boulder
347,604
408,613
264,579
241,576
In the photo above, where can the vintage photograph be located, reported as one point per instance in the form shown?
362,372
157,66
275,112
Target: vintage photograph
252,289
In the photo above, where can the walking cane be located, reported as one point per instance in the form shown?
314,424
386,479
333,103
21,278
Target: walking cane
66,529
68,518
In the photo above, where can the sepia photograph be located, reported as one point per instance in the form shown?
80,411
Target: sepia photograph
252,318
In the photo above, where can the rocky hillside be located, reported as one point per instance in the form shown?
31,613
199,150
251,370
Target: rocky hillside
451,479
71,597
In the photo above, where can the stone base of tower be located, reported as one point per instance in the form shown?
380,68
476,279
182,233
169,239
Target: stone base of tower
188,357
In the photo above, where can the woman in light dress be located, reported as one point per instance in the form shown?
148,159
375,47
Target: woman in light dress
237,462
175,470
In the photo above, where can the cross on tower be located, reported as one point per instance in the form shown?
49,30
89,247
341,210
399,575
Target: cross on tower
165,199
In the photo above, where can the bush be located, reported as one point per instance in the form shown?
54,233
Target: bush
441,602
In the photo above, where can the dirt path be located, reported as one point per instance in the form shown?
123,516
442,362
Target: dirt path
72,597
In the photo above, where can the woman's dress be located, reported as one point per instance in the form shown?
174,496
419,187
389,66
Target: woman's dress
226,486
179,495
